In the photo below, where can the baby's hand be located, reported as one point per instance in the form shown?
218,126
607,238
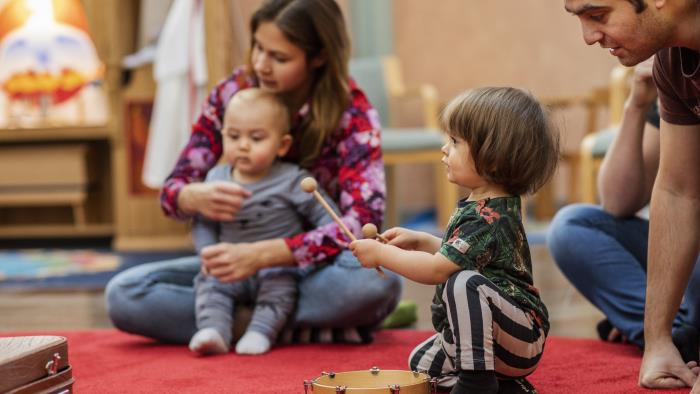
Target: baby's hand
367,252
203,269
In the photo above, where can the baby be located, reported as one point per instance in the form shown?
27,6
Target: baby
256,135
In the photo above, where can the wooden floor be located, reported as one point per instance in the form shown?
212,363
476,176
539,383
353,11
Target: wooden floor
570,313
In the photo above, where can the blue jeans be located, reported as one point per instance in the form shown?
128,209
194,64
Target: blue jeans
157,299
606,259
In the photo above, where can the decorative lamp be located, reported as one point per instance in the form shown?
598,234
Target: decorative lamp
50,74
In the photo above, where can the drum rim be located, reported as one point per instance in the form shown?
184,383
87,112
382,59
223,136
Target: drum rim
425,378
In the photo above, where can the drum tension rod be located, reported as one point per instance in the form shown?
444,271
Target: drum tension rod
433,385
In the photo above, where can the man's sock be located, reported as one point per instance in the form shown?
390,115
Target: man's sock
208,341
473,382
687,342
604,327
253,342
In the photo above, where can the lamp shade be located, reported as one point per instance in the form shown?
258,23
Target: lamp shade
47,60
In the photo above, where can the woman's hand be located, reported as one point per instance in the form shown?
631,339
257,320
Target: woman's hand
367,251
412,240
230,262
219,200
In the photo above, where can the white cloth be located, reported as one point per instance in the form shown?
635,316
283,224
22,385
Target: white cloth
180,72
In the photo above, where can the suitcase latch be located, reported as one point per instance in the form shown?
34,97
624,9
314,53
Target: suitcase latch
52,366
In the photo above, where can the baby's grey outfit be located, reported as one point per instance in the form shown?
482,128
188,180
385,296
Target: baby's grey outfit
277,208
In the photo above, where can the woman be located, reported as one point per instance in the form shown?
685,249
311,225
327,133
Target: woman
299,50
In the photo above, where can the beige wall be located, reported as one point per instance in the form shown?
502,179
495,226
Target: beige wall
535,44
532,44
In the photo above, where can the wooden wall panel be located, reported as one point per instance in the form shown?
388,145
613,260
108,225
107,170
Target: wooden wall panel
140,222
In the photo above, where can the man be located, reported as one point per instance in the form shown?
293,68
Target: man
602,249
634,30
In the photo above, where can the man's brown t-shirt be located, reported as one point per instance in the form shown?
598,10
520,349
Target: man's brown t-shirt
677,77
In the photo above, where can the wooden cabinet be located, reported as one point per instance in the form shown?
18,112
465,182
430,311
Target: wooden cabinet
61,182
58,182
79,181
55,182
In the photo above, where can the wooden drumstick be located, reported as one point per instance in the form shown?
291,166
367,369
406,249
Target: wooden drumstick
309,185
369,230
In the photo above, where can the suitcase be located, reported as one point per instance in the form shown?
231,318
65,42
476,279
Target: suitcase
36,364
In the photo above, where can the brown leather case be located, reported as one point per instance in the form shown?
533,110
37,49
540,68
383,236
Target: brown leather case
37,364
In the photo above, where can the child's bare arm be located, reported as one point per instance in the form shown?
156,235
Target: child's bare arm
418,266
412,240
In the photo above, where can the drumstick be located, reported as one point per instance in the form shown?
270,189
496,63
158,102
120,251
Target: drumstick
309,185
369,230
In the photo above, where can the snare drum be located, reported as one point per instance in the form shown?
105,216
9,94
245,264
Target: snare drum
370,382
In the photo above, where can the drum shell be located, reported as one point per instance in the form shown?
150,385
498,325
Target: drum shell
372,382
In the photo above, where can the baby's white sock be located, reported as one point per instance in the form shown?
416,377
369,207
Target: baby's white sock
208,341
253,342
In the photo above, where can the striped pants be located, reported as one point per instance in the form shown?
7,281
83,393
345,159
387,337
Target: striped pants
489,332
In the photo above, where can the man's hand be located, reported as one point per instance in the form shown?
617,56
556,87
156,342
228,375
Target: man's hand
643,91
696,387
230,262
218,201
663,367
367,251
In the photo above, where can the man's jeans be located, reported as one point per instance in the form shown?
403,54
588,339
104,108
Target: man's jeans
605,258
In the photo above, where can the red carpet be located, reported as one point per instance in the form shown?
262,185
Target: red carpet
113,362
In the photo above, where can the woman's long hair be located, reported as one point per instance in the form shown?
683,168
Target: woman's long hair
318,28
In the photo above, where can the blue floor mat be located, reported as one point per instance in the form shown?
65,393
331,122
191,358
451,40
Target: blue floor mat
14,279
